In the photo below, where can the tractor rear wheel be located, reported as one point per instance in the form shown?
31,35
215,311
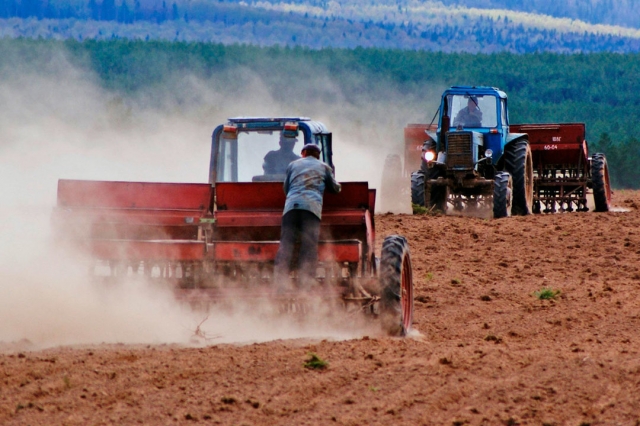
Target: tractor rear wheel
519,164
396,284
502,195
417,188
600,181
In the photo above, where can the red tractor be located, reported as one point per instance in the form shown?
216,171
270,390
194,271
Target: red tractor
219,239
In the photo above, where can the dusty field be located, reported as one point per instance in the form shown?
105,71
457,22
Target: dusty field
488,350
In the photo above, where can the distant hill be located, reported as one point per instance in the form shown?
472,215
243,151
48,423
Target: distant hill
610,12
447,26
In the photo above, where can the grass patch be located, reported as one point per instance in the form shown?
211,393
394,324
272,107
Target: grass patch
315,362
418,209
429,276
546,294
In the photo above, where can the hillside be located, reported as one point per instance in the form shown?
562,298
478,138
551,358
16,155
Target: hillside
619,12
413,25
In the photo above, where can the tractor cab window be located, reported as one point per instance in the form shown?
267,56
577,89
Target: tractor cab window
256,156
472,111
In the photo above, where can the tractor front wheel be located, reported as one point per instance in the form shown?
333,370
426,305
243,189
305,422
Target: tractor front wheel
600,181
519,164
502,195
396,284
417,188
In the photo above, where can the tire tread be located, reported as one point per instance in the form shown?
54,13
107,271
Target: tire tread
517,155
394,251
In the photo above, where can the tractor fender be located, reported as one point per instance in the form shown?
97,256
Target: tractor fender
511,138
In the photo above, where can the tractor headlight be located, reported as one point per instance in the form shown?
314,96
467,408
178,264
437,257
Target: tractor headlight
429,156
488,153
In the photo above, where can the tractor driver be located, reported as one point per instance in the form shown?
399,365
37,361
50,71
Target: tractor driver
470,116
304,186
276,162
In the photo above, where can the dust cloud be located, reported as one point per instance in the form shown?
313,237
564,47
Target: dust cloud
58,123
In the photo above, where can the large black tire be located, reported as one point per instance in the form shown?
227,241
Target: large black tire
519,164
392,183
417,188
396,285
600,181
502,195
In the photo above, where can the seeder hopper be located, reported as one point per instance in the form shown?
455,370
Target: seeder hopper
218,240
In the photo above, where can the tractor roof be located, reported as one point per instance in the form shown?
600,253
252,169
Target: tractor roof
274,123
266,119
475,90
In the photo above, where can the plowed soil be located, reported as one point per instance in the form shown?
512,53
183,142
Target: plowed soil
487,349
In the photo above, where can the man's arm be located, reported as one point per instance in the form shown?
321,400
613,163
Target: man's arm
330,182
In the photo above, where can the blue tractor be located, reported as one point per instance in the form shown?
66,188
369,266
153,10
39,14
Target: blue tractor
471,162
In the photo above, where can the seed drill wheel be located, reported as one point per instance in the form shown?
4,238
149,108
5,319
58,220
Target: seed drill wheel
502,195
519,164
600,181
396,298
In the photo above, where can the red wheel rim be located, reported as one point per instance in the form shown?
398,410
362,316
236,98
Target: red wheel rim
406,298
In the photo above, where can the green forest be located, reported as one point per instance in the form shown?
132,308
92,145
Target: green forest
600,89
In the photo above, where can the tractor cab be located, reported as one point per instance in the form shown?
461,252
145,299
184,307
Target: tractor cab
253,149
478,110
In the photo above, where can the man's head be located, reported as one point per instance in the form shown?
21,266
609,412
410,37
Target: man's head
472,103
287,143
312,150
